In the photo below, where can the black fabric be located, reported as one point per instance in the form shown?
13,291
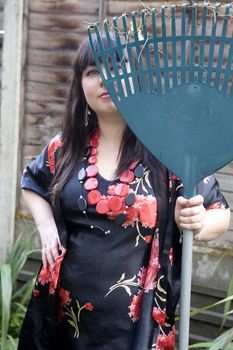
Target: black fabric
96,260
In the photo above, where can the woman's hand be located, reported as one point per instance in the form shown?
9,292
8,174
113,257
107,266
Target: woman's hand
190,213
50,242
43,215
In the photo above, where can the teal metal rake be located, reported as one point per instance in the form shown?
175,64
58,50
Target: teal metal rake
173,87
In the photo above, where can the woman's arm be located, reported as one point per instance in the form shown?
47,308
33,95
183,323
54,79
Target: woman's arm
43,216
190,214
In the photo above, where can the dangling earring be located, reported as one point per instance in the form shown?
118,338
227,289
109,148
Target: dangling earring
87,114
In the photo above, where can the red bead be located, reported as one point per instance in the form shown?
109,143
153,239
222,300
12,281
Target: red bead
115,203
96,134
93,151
127,176
121,190
91,184
133,165
111,190
92,160
102,206
132,214
94,143
93,197
91,171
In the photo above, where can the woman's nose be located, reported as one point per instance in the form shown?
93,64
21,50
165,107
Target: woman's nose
100,80
104,74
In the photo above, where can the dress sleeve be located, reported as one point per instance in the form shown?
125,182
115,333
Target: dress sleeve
38,174
213,198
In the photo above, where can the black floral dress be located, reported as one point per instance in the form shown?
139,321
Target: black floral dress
114,286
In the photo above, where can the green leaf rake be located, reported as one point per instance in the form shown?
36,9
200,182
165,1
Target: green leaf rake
169,72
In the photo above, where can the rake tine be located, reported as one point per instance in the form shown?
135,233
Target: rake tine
165,53
131,59
201,60
192,49
174,53
212,45
141,72
121,55
156,53
147,51
112,53
103,53
228,70
183,45
221,48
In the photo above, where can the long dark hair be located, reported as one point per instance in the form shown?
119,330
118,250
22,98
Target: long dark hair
76,135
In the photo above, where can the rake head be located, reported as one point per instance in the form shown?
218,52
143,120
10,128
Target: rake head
169,72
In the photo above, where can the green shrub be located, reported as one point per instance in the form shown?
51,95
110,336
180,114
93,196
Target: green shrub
13,300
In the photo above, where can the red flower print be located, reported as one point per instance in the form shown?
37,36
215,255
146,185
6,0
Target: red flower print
170,184
153,266
135,306
216,205
141,276
131,217
36,292
159,316
89,306
147,207
63,299
44,275
166,342
54,144
64,296
171,256
148,238
175,177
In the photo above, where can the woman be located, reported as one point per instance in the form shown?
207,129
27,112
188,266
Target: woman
110,218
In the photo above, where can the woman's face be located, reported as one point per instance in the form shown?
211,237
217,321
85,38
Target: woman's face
96,93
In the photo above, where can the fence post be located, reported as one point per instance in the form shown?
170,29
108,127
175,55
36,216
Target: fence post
10,119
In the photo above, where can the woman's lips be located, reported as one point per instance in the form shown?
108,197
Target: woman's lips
105,95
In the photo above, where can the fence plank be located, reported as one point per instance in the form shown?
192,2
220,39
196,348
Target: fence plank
46,58
66,7
55,22
44,40
49,75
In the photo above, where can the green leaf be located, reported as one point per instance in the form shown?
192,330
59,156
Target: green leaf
197,311
6,292
228,303
13,304
221,342
25,291
12,342
200,345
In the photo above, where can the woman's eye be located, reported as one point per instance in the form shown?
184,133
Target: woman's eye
92,72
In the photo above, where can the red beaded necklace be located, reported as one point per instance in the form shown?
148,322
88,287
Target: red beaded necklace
119,198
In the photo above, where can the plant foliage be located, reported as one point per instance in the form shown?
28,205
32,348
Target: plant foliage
12,299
